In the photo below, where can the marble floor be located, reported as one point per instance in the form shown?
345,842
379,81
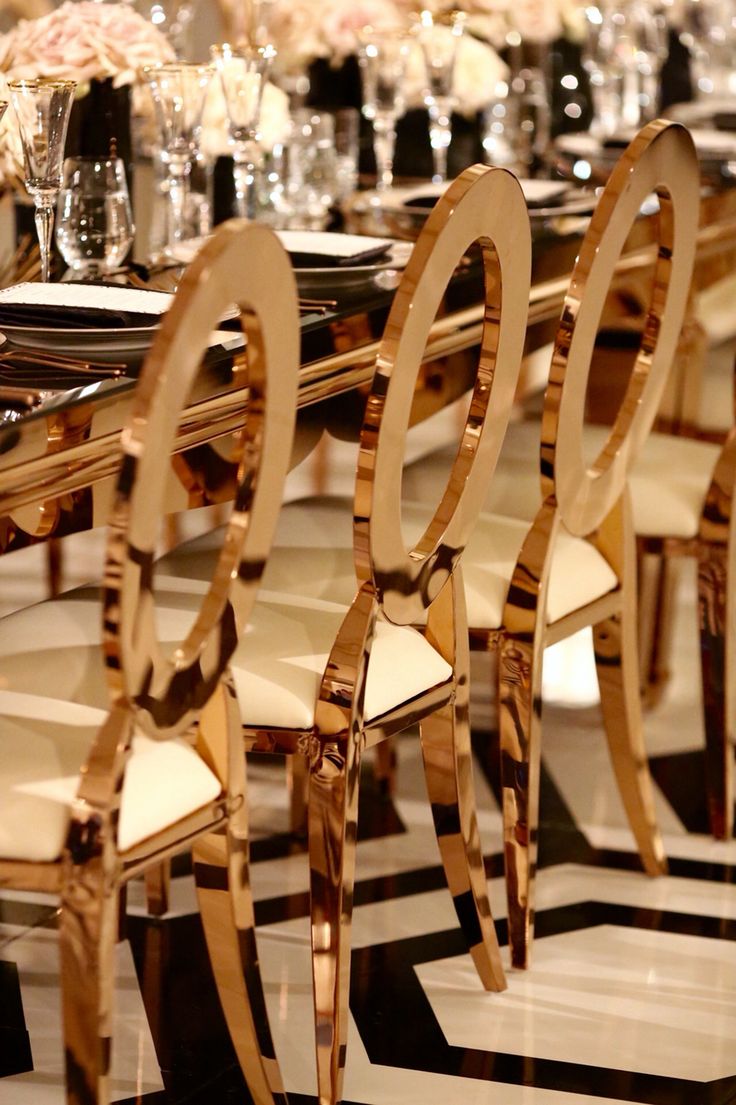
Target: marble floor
632,992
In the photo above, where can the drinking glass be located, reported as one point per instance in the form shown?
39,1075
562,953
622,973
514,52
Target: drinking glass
243,71
439,42
347,148
179,91
310,170
708,30
173,18
383,59
43,106
94,226
623,53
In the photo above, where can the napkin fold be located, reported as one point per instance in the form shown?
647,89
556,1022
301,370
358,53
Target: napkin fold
72,318
80,306
317,249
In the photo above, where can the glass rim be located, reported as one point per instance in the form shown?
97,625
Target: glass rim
40,82
265,50
178,67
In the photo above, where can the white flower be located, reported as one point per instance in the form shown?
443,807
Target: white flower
83,40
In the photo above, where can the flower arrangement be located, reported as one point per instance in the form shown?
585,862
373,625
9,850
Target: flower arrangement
304,31
81,40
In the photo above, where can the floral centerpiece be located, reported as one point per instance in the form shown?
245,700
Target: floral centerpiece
304,31
82,40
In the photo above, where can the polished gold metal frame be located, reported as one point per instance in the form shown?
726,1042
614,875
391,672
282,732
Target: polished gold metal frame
713,549
421,585
166,696
591,501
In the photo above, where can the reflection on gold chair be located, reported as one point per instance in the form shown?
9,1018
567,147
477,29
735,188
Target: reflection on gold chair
577,563
328,672
96,788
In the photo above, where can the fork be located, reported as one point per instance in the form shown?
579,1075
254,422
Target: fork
70,364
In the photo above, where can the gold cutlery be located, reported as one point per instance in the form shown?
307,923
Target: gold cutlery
63,364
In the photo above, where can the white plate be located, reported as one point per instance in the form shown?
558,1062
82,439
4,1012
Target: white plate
351,277
715,149
105,342
562,200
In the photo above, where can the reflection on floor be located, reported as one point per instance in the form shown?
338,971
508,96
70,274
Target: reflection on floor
631,997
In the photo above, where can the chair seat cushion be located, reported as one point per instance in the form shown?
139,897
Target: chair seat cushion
313,555
668,483
277,669
43,744
279,664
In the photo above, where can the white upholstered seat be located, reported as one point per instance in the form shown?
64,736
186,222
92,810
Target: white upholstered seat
277,668
313,555
668,482
43,744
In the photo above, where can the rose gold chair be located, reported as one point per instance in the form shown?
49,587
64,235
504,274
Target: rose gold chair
366,672
94,793
576,565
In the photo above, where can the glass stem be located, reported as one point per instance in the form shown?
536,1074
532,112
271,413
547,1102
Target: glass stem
440,136
44,228
384,143
245,162
178,193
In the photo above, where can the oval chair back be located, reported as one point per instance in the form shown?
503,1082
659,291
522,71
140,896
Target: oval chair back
662,160
482,206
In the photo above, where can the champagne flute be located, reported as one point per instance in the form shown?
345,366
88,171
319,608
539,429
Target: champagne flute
179,90
439,44
383,59
42,106
243,71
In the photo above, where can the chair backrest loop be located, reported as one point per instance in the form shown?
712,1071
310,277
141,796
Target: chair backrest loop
243,265
485,206
662,160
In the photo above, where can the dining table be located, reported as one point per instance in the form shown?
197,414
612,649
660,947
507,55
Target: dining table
60,426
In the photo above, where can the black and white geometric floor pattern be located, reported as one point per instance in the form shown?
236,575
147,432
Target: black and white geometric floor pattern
631,997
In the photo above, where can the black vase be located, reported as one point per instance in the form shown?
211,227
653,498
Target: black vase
99,125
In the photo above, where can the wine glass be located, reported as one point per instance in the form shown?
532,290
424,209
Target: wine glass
94,226
623,55
708,30
179,91
439,43
243,71
42,106
383,60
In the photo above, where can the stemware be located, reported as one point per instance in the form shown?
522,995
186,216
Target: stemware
439,42
243,71
708,30
623,54
311,176
43,106
179,91
94,226
383,59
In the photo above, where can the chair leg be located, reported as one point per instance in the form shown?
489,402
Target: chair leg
657,597
520,730
297,781
221,872
332,821
157,881
715,649
616,658
87,931
449,773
